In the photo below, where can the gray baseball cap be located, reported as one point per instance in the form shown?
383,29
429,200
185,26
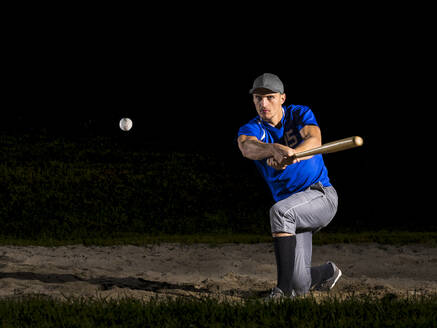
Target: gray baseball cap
268,81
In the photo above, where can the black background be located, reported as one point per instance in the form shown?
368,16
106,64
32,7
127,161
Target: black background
184,82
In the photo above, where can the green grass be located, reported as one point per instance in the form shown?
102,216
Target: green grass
65,189
321,238
99,191
353,312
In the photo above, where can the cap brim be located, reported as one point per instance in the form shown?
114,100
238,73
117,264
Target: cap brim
262,91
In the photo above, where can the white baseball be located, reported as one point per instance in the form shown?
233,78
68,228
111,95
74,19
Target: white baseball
126,124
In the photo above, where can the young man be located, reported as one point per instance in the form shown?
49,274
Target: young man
305,199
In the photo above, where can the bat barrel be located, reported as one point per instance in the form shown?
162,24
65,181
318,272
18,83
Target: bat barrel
358,141
333,147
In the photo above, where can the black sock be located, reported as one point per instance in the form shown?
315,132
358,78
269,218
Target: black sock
321,273
285,248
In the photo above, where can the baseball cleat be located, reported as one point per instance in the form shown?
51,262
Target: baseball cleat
328,284
276,295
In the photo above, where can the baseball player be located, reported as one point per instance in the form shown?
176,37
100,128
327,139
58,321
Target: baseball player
305,200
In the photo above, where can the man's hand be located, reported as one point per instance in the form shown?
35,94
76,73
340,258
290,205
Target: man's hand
278,156
281,153
282,157
272,162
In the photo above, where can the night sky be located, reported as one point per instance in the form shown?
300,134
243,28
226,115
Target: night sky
187,88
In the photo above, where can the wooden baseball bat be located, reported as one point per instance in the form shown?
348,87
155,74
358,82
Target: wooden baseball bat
332,147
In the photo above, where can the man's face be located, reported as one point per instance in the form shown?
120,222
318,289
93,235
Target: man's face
269,106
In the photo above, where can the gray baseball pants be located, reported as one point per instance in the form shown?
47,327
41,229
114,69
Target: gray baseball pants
302,214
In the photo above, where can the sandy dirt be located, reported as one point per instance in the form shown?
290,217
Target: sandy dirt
235,271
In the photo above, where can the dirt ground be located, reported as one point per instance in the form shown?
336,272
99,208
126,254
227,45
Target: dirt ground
235,271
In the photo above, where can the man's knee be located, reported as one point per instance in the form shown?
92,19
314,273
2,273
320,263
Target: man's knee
282,220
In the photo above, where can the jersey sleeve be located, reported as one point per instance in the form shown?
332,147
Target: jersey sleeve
303,115
252,129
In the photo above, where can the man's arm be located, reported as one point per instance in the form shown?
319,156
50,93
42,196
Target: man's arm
312,137
255,149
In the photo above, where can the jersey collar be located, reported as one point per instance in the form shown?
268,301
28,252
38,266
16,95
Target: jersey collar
282,119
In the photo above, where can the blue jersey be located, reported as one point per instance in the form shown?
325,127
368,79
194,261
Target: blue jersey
295,177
